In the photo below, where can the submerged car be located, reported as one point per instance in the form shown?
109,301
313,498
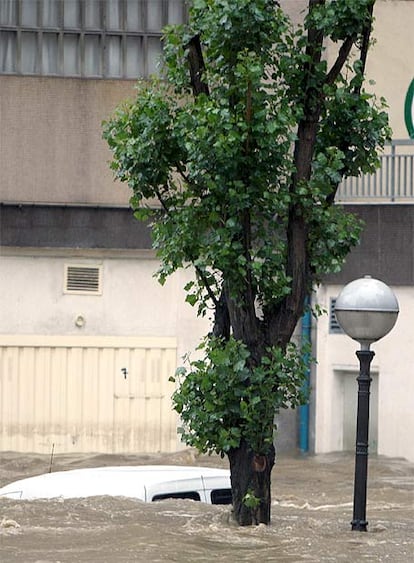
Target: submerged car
145,482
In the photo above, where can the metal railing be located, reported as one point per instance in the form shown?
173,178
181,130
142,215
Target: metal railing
392,182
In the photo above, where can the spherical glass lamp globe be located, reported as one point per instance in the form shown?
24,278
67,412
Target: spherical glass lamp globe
367,310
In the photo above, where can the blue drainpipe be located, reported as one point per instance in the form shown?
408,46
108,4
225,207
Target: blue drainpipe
304,409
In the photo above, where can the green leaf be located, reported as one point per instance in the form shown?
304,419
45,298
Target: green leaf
191,298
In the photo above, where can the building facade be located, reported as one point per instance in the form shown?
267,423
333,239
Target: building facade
88,338
385,203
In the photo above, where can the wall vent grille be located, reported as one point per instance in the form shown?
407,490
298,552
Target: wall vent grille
334,326
84,280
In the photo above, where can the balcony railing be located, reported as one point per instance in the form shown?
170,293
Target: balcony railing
392,182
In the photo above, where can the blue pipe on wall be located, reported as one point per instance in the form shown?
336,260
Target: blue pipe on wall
304,409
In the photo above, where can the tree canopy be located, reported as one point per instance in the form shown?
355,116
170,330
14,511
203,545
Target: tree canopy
234,154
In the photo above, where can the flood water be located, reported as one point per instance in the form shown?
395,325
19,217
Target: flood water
311,514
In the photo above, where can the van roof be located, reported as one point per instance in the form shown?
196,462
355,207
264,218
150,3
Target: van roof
140,482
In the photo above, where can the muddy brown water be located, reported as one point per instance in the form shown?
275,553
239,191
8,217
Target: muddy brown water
311,514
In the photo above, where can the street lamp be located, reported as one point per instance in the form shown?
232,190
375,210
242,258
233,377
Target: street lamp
367,310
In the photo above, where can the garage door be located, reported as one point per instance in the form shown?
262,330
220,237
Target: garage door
87,394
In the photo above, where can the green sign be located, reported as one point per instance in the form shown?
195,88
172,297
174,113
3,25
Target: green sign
409,110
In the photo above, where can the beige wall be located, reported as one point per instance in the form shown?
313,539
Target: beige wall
391,61
295,9
51,140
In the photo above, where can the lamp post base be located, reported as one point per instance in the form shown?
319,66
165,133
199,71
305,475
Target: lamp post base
359,525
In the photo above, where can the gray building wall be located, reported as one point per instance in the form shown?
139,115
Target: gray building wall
71,227
386,249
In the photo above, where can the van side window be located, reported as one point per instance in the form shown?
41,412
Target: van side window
193,495
221,496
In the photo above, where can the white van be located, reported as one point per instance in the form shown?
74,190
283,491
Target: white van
145,482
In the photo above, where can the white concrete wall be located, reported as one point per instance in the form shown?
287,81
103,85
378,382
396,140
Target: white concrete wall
393,364
132,303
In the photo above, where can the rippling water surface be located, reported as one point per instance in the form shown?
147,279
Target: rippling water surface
311,512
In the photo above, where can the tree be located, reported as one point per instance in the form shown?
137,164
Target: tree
242,143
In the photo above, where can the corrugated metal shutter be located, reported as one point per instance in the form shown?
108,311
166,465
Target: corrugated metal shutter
86,394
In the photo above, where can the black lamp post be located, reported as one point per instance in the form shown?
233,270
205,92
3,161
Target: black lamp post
367,310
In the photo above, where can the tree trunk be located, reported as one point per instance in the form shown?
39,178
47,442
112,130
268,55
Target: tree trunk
250,474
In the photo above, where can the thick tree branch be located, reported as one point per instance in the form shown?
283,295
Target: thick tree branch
182,172
340,60
245,216
365,39
162,201
281,320
242,319
347,46
210,292
221,328
197,66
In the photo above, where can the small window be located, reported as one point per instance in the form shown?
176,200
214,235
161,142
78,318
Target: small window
192,495
71,55
221,496
71,15
81,279
29,13
334,326
29,54
8,12
8,51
